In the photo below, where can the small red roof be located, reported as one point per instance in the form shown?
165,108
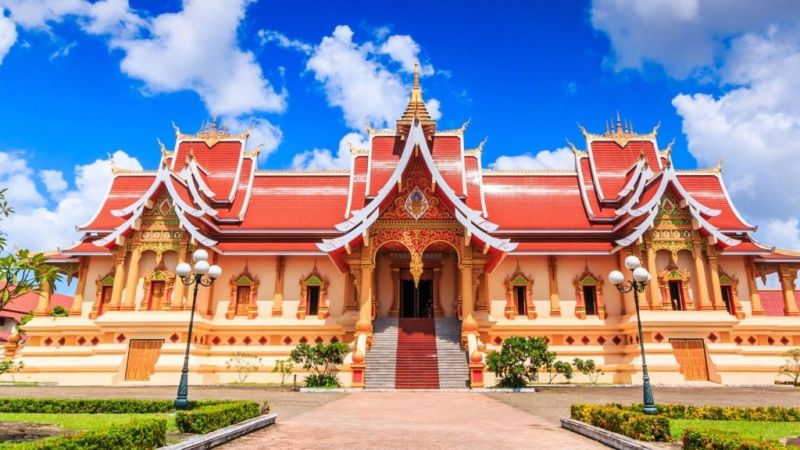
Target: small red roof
24,304
772,301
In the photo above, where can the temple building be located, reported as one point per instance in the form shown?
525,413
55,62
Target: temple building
421,260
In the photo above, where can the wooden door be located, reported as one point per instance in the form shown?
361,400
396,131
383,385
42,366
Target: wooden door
691,356
142,357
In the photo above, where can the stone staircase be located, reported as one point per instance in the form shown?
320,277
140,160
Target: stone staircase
453,364
416,354
381,359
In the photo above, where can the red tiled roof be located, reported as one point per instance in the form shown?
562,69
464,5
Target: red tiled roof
24,304
125,189
447,156
565,246
268,247
707,189
384,155
611,163
222,162
772,301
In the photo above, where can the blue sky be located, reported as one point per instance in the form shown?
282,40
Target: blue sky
82,80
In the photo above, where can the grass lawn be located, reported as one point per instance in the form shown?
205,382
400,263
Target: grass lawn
758,430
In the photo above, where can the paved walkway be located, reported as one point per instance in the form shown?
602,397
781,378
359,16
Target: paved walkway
414,420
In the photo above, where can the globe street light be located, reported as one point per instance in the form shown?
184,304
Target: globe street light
640,279
205,275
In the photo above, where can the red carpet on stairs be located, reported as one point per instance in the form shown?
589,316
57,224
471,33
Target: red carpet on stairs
417,362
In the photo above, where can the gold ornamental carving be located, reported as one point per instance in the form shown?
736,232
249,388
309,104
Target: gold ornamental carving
416,237
672,228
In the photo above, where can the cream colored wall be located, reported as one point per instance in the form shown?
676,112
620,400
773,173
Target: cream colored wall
735,266
98,267
448,291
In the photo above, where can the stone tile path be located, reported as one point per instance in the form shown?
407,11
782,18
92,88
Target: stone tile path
414,420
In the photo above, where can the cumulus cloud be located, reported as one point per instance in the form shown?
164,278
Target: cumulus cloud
560,158
197,49
683,36
8,35
749,54
324,159
404,50
263,133
36,224
363,79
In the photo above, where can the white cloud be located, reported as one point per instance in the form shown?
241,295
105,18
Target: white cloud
53,181
781,233
267,36
560,158
404,50
324,159
63,51
112,17
262,133
681,35
356,79
197,49
434,107
39,227
8,35
19,179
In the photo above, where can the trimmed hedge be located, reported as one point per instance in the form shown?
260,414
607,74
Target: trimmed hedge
732,413
716,440
207,418
621,420
146,434
96,406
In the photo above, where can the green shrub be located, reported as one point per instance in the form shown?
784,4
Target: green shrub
517,363
135,435
206,418
716,440
733,413
59,311
617,419
588,368
320,359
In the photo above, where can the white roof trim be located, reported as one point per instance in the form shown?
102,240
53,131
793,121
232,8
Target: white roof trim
329,245
730,202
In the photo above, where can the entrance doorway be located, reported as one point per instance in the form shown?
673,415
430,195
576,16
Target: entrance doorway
416,302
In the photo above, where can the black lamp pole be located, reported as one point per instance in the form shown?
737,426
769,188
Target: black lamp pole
637,287
196,279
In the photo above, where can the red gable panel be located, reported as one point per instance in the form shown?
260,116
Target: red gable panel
611,163
708,190
472,175
125,190
385,153
359,182
222,162
446,152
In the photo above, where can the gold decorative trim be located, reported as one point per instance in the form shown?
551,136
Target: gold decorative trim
210,134
621,134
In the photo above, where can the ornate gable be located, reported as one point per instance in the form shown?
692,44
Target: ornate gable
417,199
672,227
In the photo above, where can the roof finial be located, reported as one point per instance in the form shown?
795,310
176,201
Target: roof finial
416,75
607,130
619,122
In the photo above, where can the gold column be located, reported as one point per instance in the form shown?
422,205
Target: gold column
43,308
80,289
119,279
394,310
703,302
788,275
348,291
716,289
552,276
486,302
468,324
178,288
755,297
654,300
277,297
133,280
364,324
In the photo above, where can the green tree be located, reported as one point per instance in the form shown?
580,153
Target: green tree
519,361
556,368
59,311
588,368
22,271
284,367
792,367
11,367
321,360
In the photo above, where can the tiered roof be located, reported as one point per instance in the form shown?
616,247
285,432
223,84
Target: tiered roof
606,202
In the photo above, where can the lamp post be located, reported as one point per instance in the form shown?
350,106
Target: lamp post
640,279
203,274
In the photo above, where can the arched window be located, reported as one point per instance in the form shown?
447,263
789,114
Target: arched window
244,292
105,286
674,284
519,295
589,295
313,296
158,285
730,294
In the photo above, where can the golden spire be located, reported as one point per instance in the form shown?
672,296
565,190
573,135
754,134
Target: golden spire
416,105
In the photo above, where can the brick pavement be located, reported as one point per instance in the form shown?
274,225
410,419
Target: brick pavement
413,420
